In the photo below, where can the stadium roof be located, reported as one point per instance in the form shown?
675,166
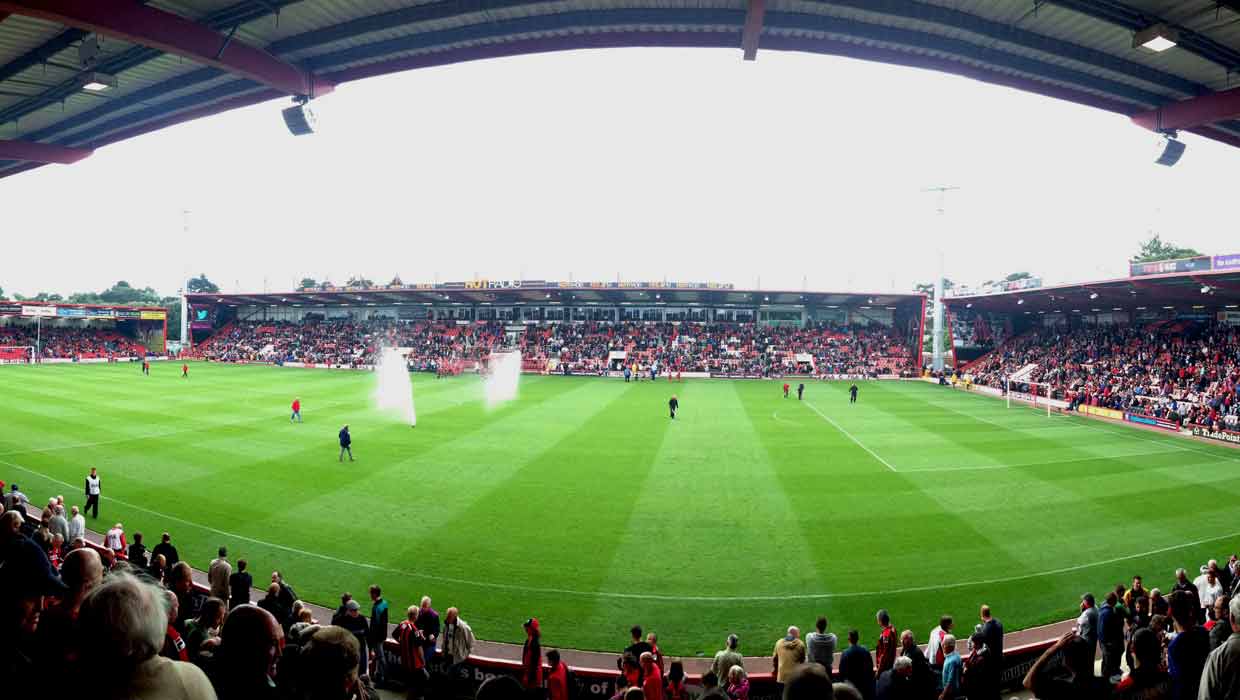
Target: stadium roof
1184,291
555,294
177,60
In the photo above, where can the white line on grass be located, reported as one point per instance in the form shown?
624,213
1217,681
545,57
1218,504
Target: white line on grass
636,596
1030,464
850,437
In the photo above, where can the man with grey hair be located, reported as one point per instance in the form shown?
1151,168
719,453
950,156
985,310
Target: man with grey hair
789,653
953,670
728,657
896,683
458,637
1221,678
76,526
56,523
122,623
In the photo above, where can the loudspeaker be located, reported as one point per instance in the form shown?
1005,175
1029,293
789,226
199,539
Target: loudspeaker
300,120
1172,150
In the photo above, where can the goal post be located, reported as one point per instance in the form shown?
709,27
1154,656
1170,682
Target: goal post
1038,396
16,354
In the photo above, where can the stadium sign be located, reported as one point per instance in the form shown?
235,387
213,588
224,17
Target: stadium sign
43,311
10,309
124,313
1150,420
71,312
1162,267
1231,318
1220,435
1227,262
153,315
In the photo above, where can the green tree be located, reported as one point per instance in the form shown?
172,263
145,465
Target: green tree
2,297
356,281
123,293
173,306
1017,276
1154,249
202,285
307,282
927,288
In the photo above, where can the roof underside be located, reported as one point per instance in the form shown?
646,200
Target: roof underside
637,296
1079,50
1200,291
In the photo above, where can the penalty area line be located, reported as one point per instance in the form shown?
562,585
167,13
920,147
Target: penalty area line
849,435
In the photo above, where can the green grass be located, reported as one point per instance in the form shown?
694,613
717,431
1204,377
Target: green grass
582,504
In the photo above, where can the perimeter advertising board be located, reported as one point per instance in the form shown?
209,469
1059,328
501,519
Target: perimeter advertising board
1220,435
1200,263
1227,262
41,311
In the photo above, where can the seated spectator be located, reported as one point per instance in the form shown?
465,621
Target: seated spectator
557,677
1078,659
59,635
26,579
676,689
137,553
1221,678
181,582
1146,681
327,668
203,632
809,681
272,604
738,684
123,621
710,687
174,643
896,683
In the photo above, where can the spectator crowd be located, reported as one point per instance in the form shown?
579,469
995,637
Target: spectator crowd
85,342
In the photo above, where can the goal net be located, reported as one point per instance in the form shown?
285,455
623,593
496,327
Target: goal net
1033,394
16,354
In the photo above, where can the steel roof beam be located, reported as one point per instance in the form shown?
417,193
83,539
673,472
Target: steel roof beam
34,152
170,33
1198,111
753,29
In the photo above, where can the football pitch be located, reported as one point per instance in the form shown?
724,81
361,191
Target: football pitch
582,504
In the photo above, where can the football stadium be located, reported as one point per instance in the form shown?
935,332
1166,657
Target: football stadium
625,487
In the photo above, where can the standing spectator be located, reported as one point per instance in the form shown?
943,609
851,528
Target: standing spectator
676,689
789,653
457,637
77,526
857,666
820,645
137,553
1209,588
287,595
16,500
378,633
1158,603
557,677
114,539
1147,680
412,662
992,629
166,549
885,646
953,670
57,524
1183,584
531,658
738,684
1110,636
93,492
711,689
1137,591
923,677
245,661
239,585
342,609
1187,652
653,640
428,623
896,683
727,657
639,645
1221,629
652,683
218,574
934,650
355,623
1221,678
1087,623
122,629
158,570
981,670
1081,684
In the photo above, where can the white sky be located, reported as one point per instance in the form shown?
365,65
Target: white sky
647,163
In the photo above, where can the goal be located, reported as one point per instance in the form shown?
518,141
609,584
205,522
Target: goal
1038,396
16,354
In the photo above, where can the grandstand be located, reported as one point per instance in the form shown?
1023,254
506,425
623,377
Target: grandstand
62,332
697,329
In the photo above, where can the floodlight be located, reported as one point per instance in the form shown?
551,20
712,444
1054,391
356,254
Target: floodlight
98,82
1093,295
1019,302
1156,38
300,119
1205,289
1172,150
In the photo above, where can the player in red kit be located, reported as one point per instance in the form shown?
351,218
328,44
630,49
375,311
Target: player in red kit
786,388
184,371
296,411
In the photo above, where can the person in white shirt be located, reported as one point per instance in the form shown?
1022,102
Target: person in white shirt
1209,589
115,539
934,650
77,526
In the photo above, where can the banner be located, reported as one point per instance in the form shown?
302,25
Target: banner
101,313
153,315
125,313
1150,420
1220,435
71,312
1162,267
1231,318
1227,262
1101,412
200,325
44,311
10,309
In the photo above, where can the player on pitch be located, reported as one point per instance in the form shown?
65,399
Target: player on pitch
787,386
852,394
296,410
672,405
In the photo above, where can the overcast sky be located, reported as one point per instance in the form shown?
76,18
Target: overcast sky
643,163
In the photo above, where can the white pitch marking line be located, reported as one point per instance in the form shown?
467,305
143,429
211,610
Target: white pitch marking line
1030,464
645,596
850,437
